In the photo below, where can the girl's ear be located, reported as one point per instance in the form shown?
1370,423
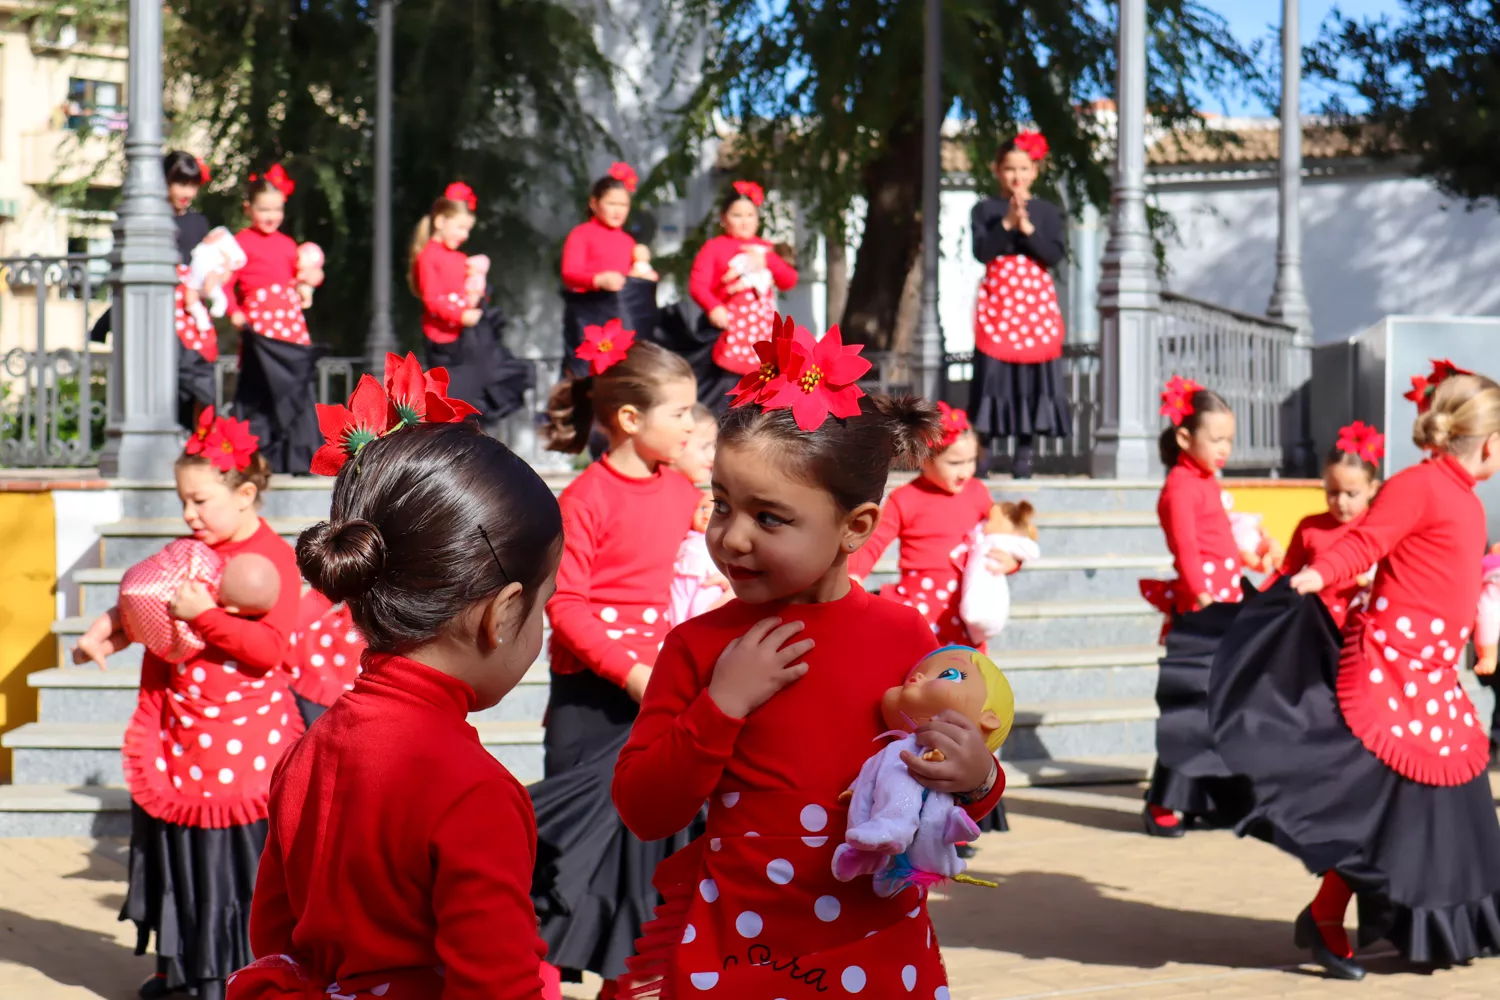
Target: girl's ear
496,620
630,419
246,493
1184,438
859,525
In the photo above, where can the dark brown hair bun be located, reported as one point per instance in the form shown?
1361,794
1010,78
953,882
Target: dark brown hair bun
341,560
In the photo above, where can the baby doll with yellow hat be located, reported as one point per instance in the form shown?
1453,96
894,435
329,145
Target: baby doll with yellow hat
898,831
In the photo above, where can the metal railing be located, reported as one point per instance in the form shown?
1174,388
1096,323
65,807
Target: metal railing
1249,360
336,380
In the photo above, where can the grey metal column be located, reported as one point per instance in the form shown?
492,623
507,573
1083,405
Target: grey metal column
1129,297
382,337
929,338
143,439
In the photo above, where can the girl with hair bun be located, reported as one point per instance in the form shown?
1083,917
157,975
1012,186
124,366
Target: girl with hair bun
1367,761
798,477
400,851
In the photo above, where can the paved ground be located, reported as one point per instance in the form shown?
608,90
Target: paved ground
1088,907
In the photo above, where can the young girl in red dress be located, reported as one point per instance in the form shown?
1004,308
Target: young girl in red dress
1207,558
734,281
400,854
1351,477
768,707
206,733
1365,759
326,654
624,518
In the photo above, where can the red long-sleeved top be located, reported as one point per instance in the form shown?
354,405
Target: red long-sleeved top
812,737
257,645
397,843
1191,509
592,248
1316,534
440,280
932,525
270,259
620,541
706,282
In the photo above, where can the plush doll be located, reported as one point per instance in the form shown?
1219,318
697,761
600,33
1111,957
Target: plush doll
640,266
985,602
476,278
309,271
754,276
210,267
246,585
1487,622
1258,550
900,832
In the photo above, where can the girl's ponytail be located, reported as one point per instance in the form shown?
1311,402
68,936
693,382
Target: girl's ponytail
419,239
914,425
570,415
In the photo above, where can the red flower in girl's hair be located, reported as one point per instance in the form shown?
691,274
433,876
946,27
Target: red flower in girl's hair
459,191
953,423
226,443
202,170
1362,440
604,346
1177,399
1033,144
752,191
625,174
278,179
819,380
775,354
347,429
420,397
1422,388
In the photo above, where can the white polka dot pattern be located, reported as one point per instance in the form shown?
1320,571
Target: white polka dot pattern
1016,315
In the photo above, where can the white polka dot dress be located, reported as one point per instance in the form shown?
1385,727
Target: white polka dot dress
189,333
326,651
1016,315
275,312
750,318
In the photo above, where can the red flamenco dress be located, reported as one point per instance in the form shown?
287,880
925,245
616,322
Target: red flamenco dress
1369,761
752,311
751,909
1017,389
326,655
198,756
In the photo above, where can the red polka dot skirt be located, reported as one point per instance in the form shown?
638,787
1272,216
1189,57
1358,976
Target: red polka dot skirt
935,596
326,650
1016,315
192,336
750,319
276,312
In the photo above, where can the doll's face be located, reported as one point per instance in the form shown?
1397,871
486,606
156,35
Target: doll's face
704,512
948,679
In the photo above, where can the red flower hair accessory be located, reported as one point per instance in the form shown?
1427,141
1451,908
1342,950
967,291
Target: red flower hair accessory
625,174
202,170
409,396
1033,144
278,179
1422,388
815,379
751,191
226,442
1362,440
604,346
954,423
459,191
1177,399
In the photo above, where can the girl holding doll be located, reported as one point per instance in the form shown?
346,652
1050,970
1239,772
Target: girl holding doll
1017,389
207,732
752,909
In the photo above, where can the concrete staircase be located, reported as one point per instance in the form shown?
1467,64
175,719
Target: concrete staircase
1080,653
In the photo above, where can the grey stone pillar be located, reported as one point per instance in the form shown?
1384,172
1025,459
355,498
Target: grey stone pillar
1129,297
382,337
143,439
928,347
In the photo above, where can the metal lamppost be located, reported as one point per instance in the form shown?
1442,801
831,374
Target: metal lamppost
142,437
1288,301
1129,297
382,338
929,336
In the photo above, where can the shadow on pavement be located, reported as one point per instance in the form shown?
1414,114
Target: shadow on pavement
1106,816
71,956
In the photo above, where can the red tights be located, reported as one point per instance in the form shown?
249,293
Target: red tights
1328,908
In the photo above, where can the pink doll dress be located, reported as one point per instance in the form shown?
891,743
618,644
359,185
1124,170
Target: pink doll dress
149,586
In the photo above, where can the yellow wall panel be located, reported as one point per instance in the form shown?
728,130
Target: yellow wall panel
28,579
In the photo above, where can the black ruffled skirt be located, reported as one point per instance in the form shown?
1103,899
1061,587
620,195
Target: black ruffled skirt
1190,777
695,342
1021,400
634,306
1424,860
276,392
592,885
191,888
481,369
195,385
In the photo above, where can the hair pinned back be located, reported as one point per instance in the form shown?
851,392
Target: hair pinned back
636,379
1462,410
456,199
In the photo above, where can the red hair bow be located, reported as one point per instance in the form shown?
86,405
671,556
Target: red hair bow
459,191
409,396
605,346
1362,440
1422,388
625,174
278,179
815,379
1177,399
202,170
1033,144
954,422
226,442
751,191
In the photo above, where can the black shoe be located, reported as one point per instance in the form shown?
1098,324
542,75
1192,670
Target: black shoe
1020,466
155,987
966,851
1305,934
1155,829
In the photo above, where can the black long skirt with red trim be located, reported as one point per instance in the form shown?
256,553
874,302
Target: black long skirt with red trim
190,889
481,369
634,306
1423,860
592,885
276,393
1023,400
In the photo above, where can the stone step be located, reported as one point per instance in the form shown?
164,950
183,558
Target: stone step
1096,533
1058,578
1073,624
1092,728
1046,676
87,694
127,542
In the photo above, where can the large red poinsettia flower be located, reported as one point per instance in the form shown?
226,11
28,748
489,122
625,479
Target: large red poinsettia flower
226,442
1422,388
1177,399
417,396
1360,439
346,429
819,380
775,354
952,422
605,345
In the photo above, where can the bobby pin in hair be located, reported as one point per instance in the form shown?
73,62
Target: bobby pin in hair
498,565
